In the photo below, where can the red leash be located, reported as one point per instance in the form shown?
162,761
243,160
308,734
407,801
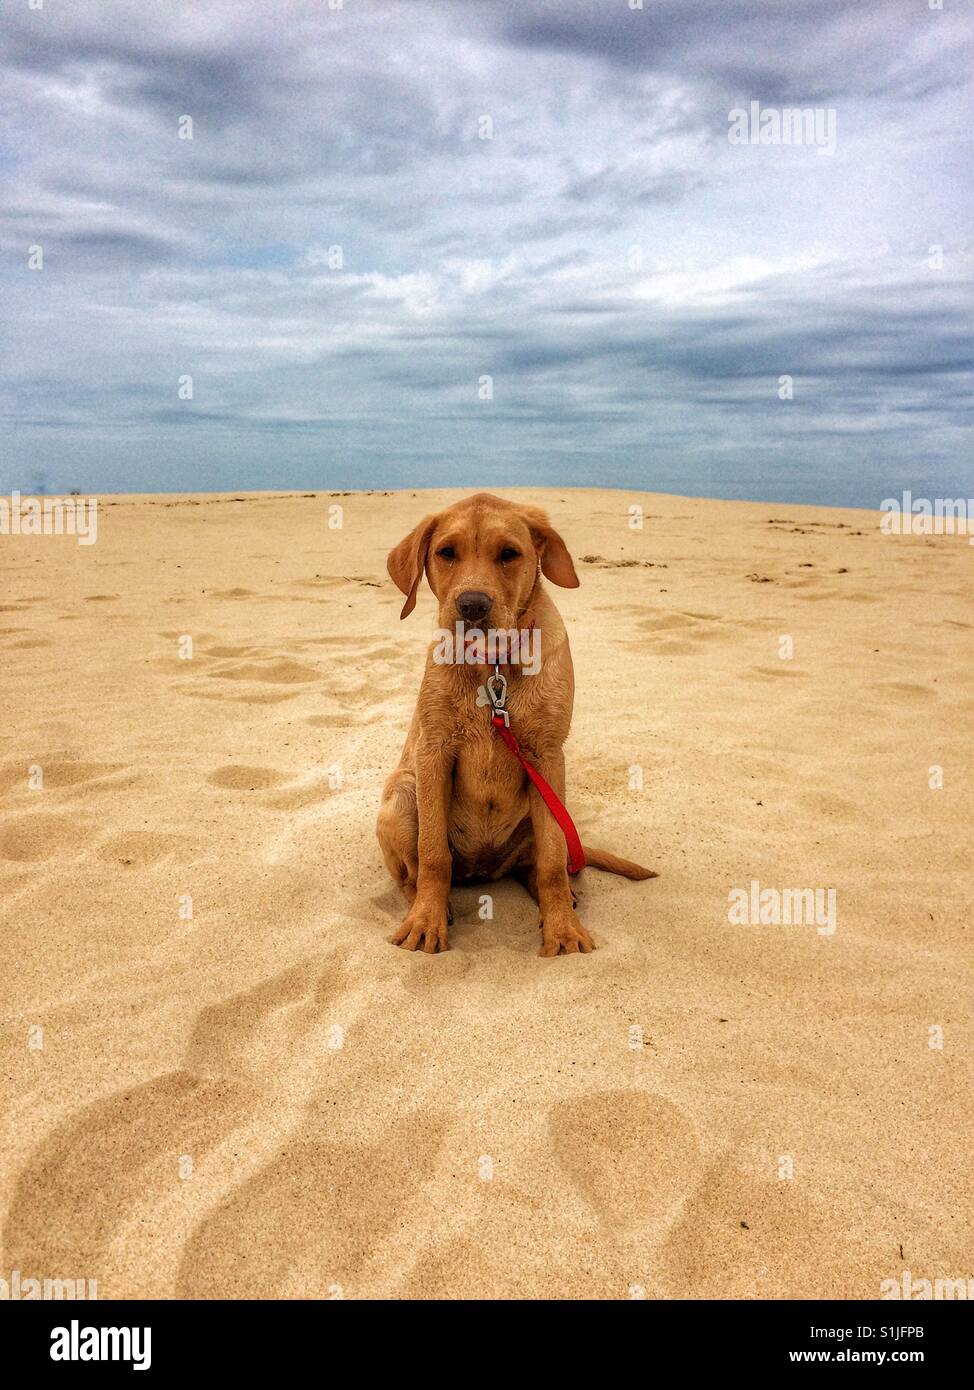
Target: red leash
576,854
494,693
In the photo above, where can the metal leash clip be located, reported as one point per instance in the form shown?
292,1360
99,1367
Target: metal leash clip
494,693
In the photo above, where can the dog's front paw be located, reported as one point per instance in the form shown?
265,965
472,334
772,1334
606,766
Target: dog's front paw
423,928
564,933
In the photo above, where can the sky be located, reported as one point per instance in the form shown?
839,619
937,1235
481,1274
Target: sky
486,243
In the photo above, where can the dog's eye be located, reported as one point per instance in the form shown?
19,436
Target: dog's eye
509,553
446,552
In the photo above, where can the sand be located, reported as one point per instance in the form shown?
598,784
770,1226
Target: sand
268,1100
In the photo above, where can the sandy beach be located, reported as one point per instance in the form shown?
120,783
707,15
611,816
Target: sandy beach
266,1099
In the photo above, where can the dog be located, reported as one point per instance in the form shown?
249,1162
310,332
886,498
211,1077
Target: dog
459,808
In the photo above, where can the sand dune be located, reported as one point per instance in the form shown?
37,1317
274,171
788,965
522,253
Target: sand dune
267,1099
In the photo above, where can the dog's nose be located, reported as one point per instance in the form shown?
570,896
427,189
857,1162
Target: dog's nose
473,605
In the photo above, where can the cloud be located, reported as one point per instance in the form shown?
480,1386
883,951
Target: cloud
797,52
383,204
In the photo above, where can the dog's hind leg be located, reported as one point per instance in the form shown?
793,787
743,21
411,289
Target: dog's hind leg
527,876
397,829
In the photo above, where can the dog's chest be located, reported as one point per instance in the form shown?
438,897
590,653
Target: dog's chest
489,800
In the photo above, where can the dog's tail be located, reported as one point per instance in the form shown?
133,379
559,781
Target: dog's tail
612,864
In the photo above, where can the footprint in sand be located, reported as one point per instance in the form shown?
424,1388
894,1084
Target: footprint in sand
119,1157
632,1156
107,1158
34,838
57,773
315,1217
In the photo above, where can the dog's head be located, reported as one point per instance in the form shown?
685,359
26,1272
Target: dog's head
481,558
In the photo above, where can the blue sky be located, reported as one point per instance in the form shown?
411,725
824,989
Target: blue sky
634,284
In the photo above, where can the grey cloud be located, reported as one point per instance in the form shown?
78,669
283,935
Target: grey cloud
803,51
107,249
634,284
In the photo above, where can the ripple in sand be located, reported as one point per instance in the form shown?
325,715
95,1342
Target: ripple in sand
246,779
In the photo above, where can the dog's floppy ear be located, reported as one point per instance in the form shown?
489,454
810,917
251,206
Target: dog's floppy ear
556,563
408,560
